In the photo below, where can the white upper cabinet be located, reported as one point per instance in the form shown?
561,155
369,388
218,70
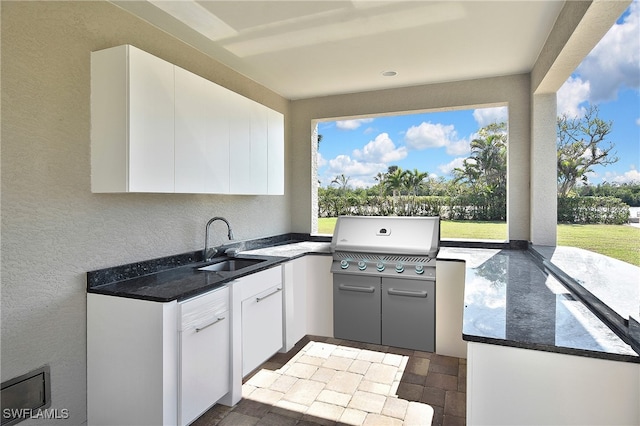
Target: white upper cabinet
156,127
132,104
201,135
191,131
275,154
259,148
217,176
240,145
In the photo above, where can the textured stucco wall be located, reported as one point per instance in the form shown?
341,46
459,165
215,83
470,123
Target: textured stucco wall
512,91
544,170
53,228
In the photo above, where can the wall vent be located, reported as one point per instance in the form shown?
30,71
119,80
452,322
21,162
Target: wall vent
24,396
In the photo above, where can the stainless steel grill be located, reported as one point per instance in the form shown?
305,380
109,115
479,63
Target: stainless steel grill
384,271
386,246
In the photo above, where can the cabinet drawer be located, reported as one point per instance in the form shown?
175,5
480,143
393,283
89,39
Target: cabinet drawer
256,283
199,310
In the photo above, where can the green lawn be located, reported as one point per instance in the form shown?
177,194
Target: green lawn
618,241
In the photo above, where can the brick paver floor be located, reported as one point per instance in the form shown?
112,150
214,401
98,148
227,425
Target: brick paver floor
325,381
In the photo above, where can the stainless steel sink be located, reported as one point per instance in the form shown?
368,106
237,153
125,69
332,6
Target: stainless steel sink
231,265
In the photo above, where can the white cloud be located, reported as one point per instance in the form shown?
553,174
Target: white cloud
353,169
573,93
460,147
320,160
352,124
638,121
455,163
615,60
381,150
429,135
360,182
486,116
630,176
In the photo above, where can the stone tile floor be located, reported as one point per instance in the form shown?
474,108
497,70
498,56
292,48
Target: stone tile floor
326,381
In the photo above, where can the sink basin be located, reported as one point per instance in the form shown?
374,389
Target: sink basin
231,265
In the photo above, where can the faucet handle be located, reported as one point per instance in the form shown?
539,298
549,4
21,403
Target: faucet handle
231,252
208,256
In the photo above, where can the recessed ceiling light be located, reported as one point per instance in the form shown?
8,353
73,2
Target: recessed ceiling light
389,73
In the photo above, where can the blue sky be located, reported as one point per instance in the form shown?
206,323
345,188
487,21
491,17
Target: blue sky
609,77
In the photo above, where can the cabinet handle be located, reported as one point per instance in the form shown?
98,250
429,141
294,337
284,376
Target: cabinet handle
407,293
209,325
258,299
359,289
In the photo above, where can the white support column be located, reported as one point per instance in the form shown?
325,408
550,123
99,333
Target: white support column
544,200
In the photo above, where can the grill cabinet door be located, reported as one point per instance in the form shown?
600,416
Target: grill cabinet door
408,314
356,308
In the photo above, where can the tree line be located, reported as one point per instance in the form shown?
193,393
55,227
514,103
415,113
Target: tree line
477,190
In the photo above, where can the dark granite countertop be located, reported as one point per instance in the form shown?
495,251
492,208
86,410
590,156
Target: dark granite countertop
180,283
511,301
178,278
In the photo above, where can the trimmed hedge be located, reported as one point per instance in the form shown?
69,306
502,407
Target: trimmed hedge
581,210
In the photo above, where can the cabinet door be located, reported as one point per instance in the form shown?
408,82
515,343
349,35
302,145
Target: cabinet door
151,123
217,140
319,296
356,308
295,301
190,131
240,145
275,154
259,148
408,314
261,327
204,353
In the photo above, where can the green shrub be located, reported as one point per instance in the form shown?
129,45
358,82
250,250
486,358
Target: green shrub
587,210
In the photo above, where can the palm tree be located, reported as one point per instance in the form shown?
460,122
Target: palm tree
414,180
395,182
380,178
486,167
342,181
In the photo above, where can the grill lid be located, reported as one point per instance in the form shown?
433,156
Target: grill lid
387,234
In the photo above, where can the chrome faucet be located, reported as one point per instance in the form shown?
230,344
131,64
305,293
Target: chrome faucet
205,255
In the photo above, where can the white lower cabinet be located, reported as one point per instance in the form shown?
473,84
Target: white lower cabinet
152,363
308,299
132,361
262,330
319,296
295,301
450,276
515,386
204,371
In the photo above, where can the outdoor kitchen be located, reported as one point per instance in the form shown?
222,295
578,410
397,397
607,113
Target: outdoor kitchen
161,259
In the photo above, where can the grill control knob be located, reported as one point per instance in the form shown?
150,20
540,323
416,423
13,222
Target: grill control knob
362,265
399,268
419,269
380,266
344,264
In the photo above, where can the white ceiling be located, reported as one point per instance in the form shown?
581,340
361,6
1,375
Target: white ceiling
302,49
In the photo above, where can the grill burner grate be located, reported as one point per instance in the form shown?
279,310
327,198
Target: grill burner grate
382,257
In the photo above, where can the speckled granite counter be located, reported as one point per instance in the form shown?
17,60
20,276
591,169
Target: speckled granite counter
510,301
615,283
178,278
